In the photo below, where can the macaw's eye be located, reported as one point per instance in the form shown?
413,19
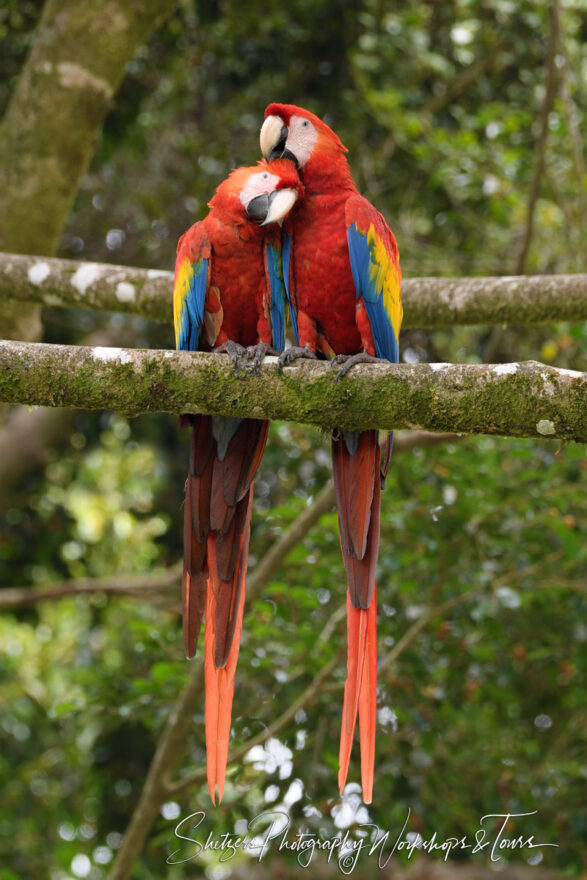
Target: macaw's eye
265,175
305,123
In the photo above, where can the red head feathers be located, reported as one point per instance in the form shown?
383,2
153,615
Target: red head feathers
265,192
294,133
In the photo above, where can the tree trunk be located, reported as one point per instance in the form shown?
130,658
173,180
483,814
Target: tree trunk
55,114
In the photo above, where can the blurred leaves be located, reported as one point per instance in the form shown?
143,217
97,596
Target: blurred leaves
487,697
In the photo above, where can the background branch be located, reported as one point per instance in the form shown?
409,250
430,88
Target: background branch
428,302
25,440
463,80
129,585
552,80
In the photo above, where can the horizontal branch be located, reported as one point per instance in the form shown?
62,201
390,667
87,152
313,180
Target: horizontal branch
126,585
519,400
428,302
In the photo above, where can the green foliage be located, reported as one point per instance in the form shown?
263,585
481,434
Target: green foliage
450,175
483,710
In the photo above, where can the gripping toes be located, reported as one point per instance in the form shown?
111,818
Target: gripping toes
348,361
257,353
293,354
234,351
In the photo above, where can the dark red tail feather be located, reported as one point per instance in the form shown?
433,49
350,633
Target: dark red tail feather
229,556
202,443
194,603
195,574
357,485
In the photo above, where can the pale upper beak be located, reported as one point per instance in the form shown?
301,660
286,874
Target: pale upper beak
280,203
273,137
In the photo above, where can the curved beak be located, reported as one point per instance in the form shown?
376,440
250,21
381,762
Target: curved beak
273,137
280,203
271,208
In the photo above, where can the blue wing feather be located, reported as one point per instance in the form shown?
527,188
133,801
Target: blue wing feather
277,291
376,274
192,307
286,258
190,287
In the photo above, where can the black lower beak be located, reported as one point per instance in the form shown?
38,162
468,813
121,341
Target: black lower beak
258,208
279,151
287,154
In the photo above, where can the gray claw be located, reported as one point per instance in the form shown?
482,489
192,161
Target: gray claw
348,361
257,353
292,354
234,351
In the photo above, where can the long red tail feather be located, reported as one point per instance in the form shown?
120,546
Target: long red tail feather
228,553
358,493
368,705
194,603
219,681
217,518
356,648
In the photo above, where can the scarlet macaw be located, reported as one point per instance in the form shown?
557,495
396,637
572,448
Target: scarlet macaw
228,293
342,273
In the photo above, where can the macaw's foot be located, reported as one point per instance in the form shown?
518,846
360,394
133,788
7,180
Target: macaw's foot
293,354
256,354
234,351
348,361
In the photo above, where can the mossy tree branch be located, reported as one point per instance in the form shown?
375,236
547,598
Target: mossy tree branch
428,302
26,437
518,400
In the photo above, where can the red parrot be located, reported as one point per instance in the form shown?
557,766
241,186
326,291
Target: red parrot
342,274
228,293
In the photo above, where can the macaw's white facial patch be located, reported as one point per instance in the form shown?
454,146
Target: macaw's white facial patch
261,184
301,138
